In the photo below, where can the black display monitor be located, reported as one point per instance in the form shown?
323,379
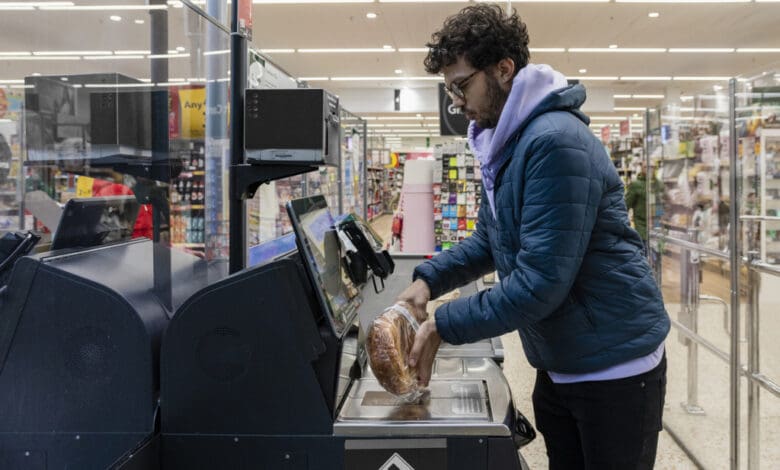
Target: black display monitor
320,249
94,221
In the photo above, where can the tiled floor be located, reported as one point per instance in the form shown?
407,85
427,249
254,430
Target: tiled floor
520,376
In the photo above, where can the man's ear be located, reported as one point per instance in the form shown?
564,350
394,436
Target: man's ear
505,70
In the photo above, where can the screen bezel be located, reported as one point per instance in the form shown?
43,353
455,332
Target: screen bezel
302,206
75,213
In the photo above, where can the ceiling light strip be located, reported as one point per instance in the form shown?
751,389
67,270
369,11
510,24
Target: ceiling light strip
702,50
113,57
345,50
382,79
103,7
618,49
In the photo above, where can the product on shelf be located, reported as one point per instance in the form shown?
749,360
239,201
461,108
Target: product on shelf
457,190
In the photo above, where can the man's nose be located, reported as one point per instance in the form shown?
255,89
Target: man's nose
458,101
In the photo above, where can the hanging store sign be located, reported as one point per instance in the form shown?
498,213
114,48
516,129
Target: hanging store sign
245,18
451,119
606,134
625,128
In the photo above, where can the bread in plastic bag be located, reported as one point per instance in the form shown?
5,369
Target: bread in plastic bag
389,343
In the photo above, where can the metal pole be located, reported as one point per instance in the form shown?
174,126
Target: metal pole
754,389
735,266
238,55
365,170
161,208
690,301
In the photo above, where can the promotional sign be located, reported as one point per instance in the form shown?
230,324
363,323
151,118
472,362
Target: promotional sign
84,186
625,128
606,134
193,112
451,120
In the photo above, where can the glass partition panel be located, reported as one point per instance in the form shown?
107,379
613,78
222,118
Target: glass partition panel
128,139
689,198
353,163
758,131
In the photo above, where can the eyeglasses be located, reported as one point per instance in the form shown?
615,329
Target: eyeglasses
458,90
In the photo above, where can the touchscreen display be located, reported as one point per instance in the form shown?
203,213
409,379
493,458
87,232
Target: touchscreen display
320,249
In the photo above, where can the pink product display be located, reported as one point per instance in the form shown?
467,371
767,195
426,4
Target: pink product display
417,234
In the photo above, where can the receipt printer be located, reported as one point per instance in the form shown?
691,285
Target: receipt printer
297,126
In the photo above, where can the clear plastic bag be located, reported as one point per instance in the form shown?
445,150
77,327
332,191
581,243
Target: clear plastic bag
389,343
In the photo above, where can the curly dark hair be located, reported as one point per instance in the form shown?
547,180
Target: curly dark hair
481,34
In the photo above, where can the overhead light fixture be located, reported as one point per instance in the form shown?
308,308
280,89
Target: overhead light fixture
759,50
267,2
583,70
702,50
683,1
180,49
380,79
42,53
371,15
276,51
413,49
547,49
343,50
649,79
53,57
168,56
217,52
628,108
613,46
686,98
653,14
399,71
139,21
387,46
621,96
701,79
601,79
4,7
618,49
113,57
103,7
132,52
423,1
115,18
648,97
15,53
313,79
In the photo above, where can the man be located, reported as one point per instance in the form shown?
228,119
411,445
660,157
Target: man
574,282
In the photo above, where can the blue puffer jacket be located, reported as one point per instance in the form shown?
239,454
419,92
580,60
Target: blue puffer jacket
574,282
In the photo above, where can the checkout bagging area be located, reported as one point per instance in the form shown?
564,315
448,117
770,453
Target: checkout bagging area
131,353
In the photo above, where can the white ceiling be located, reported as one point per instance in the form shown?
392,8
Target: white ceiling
409,25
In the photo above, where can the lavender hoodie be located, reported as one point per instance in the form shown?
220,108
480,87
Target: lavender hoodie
530,86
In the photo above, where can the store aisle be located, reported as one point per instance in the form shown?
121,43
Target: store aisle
521,381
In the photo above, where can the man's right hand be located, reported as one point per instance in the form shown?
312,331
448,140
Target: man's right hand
417,295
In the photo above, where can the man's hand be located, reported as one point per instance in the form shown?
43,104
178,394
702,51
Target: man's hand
426,344
417,295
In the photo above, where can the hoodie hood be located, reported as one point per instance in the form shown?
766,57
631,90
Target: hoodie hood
536,89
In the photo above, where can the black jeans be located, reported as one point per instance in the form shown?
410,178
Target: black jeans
612,424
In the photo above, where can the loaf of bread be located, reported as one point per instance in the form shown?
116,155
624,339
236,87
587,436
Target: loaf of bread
389,343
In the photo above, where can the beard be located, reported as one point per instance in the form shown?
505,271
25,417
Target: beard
495,99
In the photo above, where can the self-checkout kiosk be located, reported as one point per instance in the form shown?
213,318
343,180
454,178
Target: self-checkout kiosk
280,380
265,368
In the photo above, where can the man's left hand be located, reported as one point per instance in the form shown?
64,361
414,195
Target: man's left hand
426,344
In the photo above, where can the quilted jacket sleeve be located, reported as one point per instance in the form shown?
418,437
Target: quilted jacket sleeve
461,264
561,193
